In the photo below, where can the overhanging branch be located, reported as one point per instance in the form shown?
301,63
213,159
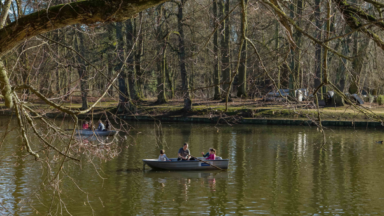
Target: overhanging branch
60,16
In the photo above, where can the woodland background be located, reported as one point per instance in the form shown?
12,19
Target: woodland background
174,46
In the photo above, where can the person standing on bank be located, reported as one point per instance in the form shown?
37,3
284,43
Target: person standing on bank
184,153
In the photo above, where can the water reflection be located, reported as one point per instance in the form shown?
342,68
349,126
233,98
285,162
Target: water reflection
273,170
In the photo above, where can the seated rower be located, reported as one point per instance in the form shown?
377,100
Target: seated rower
184,153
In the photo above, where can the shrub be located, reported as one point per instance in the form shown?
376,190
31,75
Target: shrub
380,99
371,98
337,100
353,88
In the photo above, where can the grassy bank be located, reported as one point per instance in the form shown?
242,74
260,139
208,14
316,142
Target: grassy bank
209,109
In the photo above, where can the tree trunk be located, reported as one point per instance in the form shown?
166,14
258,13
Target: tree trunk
183,70
138,54
360,50
326,36
129,36
341,74
225,53
318,77
110,55
57,65
170,77
298,39
161,58
124,97
161,97
292,74
81,69
277,24
242,78
216,66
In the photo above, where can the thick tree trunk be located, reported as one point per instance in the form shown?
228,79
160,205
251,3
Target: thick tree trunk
277,24
161,58
216,66
298,39
162,65
85,12
360,50
138,54
341,74
57,36
4,12
318,77
5,87
292,74
81,69
183,70
110,55
242,77
170,80
124,97
129,36
326,36
225,53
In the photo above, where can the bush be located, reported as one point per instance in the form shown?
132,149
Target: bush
380,99
353,88
371,98
366,99
337,100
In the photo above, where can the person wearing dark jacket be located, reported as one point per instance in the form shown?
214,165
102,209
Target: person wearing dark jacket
106,125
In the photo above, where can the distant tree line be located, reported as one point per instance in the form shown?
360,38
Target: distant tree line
190,49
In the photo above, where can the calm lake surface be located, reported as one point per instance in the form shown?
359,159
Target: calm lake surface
273,170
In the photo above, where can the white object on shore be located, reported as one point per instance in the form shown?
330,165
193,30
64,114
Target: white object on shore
299,95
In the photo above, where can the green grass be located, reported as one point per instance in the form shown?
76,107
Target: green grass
251,110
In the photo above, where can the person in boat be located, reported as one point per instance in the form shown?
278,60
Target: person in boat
106,125
101,126
85,125
162,156
184,153
212,154
206,154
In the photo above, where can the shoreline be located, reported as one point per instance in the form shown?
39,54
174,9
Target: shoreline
256,121
215,113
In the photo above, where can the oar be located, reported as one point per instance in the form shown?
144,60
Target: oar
206,163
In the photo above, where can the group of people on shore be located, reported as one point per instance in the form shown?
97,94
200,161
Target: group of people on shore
89,126
185,154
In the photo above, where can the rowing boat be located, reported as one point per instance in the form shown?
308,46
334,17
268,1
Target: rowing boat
165,174
186,165
95,133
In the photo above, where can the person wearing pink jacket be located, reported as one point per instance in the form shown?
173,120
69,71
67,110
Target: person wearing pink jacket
212,154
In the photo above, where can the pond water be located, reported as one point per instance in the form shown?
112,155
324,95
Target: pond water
273,170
